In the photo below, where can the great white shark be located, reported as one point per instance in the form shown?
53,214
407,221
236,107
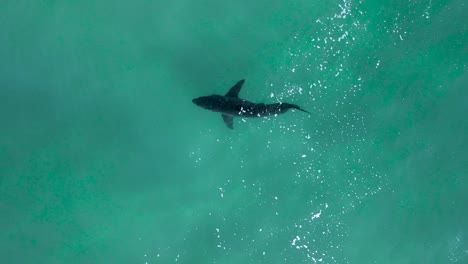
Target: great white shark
230,106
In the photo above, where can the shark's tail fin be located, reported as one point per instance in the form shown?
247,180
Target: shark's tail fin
298,108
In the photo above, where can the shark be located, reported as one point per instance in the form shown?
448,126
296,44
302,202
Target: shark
230,106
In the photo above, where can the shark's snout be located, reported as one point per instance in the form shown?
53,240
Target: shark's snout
196,101
205,101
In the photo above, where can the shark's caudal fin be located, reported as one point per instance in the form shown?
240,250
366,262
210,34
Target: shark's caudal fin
300,109
229,121
234,91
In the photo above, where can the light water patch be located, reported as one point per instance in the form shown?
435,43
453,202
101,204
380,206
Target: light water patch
458,249
427,10
333,155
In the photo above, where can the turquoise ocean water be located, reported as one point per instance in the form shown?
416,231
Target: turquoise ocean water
105,159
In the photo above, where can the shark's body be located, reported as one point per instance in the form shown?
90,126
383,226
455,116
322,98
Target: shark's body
230,106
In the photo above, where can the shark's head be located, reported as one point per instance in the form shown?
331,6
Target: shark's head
212,102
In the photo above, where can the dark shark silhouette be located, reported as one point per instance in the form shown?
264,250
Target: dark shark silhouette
230,106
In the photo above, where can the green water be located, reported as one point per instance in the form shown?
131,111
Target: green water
105,159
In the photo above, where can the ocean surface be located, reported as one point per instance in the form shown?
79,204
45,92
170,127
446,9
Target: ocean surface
105,159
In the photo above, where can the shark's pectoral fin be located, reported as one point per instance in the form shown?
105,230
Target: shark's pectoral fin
229,121
234,91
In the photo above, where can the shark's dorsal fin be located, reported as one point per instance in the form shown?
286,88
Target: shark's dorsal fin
234,91
228,120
